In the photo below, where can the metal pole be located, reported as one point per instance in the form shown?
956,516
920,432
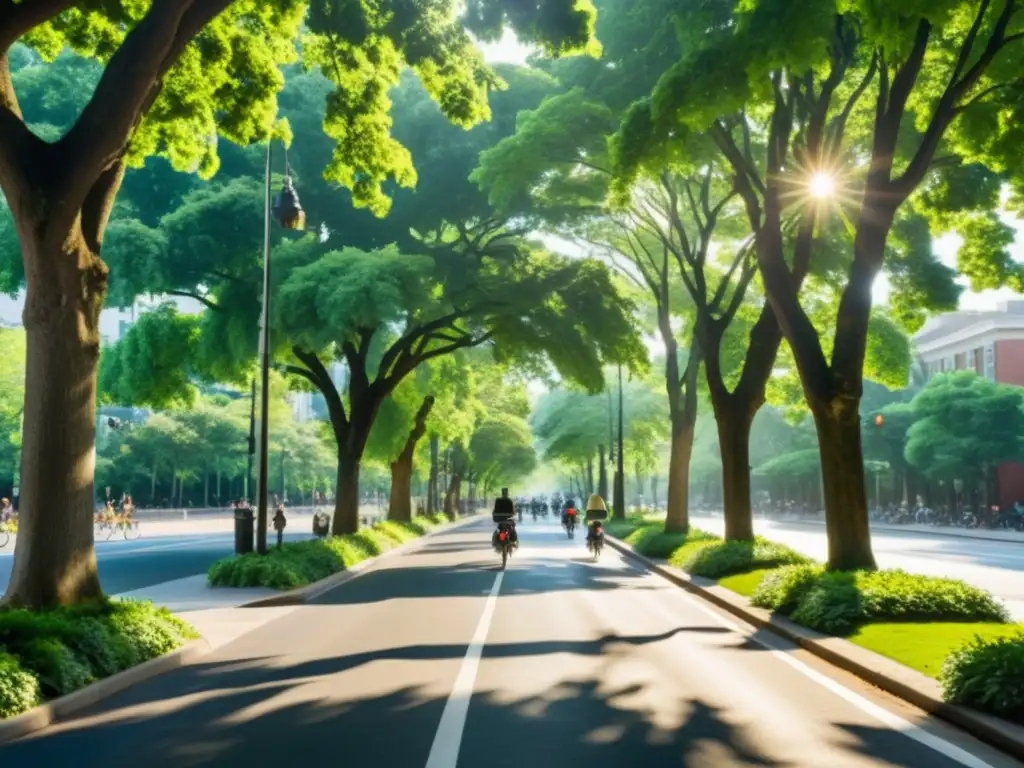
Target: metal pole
252,441
261,520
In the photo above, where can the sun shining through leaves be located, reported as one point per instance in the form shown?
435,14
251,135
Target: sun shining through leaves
822,185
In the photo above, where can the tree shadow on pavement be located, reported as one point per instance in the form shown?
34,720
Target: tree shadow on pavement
474,580
395,729
258,715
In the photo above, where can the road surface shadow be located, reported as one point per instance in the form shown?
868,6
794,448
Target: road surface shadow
474,579
577,723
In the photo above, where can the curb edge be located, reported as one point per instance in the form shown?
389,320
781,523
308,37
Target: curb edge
303,595
1001,734
61,708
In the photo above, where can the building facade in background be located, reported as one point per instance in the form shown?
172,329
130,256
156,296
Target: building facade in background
991,343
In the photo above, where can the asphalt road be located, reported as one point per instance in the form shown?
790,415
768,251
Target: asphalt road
129,565
997,566
437,659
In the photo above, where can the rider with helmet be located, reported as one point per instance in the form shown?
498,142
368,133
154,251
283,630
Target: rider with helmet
505,516
569,512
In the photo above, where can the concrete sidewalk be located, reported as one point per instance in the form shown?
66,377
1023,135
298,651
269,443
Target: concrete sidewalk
928,530
211,610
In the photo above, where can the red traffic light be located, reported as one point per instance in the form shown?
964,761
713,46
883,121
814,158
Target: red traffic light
879,420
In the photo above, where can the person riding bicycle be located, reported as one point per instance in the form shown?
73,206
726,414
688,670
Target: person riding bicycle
569,514
505,516
596,513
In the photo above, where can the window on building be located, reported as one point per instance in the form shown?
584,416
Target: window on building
990,362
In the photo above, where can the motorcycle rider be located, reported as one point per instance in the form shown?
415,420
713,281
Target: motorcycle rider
505,516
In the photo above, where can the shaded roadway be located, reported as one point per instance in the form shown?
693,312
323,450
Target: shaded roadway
595,664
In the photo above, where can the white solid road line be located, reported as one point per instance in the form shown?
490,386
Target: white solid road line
444,752
889,719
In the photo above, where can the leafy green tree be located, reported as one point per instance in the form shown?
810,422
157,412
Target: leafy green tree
802,99
964,426
573,427
502,452
347,304
176,74
149,365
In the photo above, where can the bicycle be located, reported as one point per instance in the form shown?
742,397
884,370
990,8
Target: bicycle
129,528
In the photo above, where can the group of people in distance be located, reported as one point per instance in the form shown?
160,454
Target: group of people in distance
504,516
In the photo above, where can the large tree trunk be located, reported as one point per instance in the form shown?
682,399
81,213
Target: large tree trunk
842,475
451,496
54,561
346,499
734,441
682,394
677,517
400,506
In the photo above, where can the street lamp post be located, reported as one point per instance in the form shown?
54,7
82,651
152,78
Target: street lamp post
289,214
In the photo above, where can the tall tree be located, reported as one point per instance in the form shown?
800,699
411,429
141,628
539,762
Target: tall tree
385,313
176,73
842,107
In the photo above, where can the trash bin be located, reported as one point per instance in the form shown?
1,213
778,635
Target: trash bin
244,518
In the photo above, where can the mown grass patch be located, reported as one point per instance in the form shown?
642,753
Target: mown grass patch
745,583
925,646
47,654
296,564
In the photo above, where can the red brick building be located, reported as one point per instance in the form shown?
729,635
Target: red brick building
991,343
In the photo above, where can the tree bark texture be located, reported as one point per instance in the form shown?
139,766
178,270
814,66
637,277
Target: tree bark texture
842,475
54,561
682,395
734,440
400,506
451,497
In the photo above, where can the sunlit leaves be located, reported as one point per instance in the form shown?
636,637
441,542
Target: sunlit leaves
984,258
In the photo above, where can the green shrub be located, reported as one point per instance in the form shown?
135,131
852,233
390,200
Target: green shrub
67,648
987,675
831,604
19,688
298,563
56,667
836,602
730,557
782,590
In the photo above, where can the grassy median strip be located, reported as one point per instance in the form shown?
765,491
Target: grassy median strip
943,628
296,564
48,654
